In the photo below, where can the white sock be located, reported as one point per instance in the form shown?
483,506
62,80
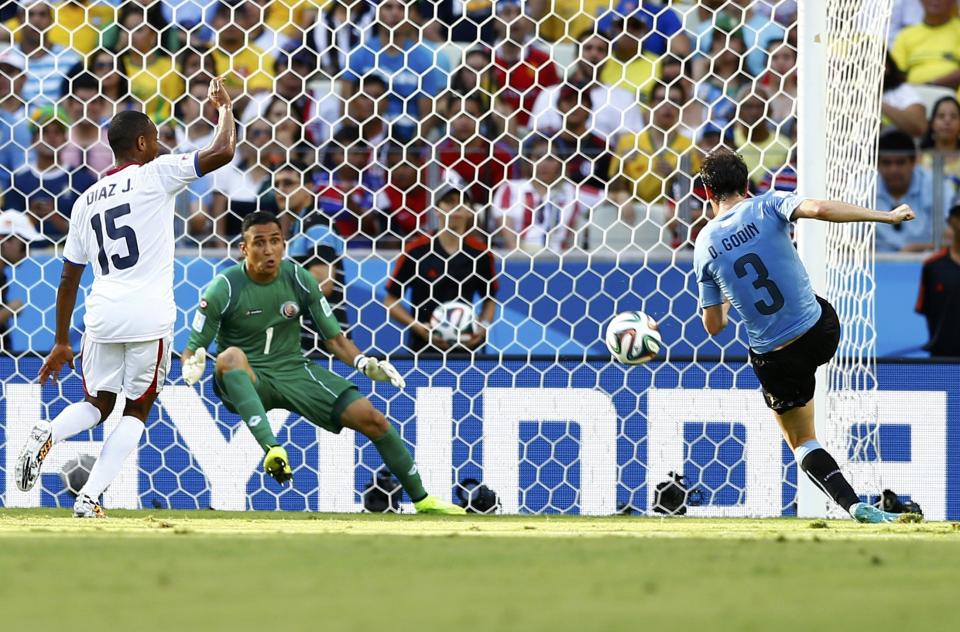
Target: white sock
118,446
73,420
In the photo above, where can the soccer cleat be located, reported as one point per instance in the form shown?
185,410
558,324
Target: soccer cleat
277,464
31,457
86,507
433,505
868,514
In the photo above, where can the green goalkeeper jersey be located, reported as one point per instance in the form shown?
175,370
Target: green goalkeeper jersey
262,319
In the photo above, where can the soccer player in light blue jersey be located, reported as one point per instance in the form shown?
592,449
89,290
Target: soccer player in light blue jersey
745,258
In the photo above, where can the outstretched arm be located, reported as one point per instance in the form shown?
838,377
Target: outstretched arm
840,212
62,352
224,143
342,348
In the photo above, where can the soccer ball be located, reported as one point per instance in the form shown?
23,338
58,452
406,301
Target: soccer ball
452,321
76,471
633,338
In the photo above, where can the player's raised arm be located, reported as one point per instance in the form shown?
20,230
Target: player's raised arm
224,143
840,212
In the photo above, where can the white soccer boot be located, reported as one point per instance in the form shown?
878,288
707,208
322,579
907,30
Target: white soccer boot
31,457
87,507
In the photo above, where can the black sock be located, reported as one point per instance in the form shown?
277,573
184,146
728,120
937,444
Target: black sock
824,471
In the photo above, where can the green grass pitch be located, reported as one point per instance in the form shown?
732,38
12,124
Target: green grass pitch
162,570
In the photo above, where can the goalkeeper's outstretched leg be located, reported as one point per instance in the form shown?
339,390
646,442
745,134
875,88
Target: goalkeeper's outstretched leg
362,417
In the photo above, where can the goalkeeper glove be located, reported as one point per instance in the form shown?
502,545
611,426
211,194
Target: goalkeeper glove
379,370
277,464
192,370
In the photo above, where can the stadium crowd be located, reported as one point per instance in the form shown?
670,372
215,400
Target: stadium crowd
545,109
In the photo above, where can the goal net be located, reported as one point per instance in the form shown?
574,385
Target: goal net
577,128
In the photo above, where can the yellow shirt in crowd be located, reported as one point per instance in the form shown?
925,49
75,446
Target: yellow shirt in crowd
927,52
285,16
639,155
157,85
636,76
76,25
763,158
570,18
250,63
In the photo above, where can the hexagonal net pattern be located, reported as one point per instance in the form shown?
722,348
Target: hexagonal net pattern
537,160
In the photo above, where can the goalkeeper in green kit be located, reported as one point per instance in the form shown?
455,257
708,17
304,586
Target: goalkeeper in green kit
253,310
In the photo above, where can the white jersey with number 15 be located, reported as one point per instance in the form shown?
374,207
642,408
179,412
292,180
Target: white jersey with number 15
123,226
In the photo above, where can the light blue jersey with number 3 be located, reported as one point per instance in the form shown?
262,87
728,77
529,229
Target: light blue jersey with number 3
748,257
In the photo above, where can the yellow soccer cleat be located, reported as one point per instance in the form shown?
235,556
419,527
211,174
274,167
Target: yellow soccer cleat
433,505
277,464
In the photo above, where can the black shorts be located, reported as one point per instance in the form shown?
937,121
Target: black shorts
788,375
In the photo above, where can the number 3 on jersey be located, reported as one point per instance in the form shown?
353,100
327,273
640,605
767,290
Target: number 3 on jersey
115,233
762,282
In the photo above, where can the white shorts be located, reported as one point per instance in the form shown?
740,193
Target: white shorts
136,369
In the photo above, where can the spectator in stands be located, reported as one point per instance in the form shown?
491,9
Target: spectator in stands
246,68
366,109
665,25
542,213
783,179
346,187
114,86
521,69
764,150
902,106
929,52
16,233
14,129
904,13
615,110
780,82
447,265
239,187
585,155
666,28
343,26
463,21
474,78
482,163
251,17
404,200
412,72
196,63
629,68
939,297
154,80
903,181
644,164
78,24
723,80
42,188
755,28
88,144
317,247
317,112
943,137
45,62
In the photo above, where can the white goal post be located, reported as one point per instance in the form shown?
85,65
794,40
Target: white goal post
841,48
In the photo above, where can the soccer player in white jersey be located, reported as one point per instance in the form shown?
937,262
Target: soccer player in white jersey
123,227
745,258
